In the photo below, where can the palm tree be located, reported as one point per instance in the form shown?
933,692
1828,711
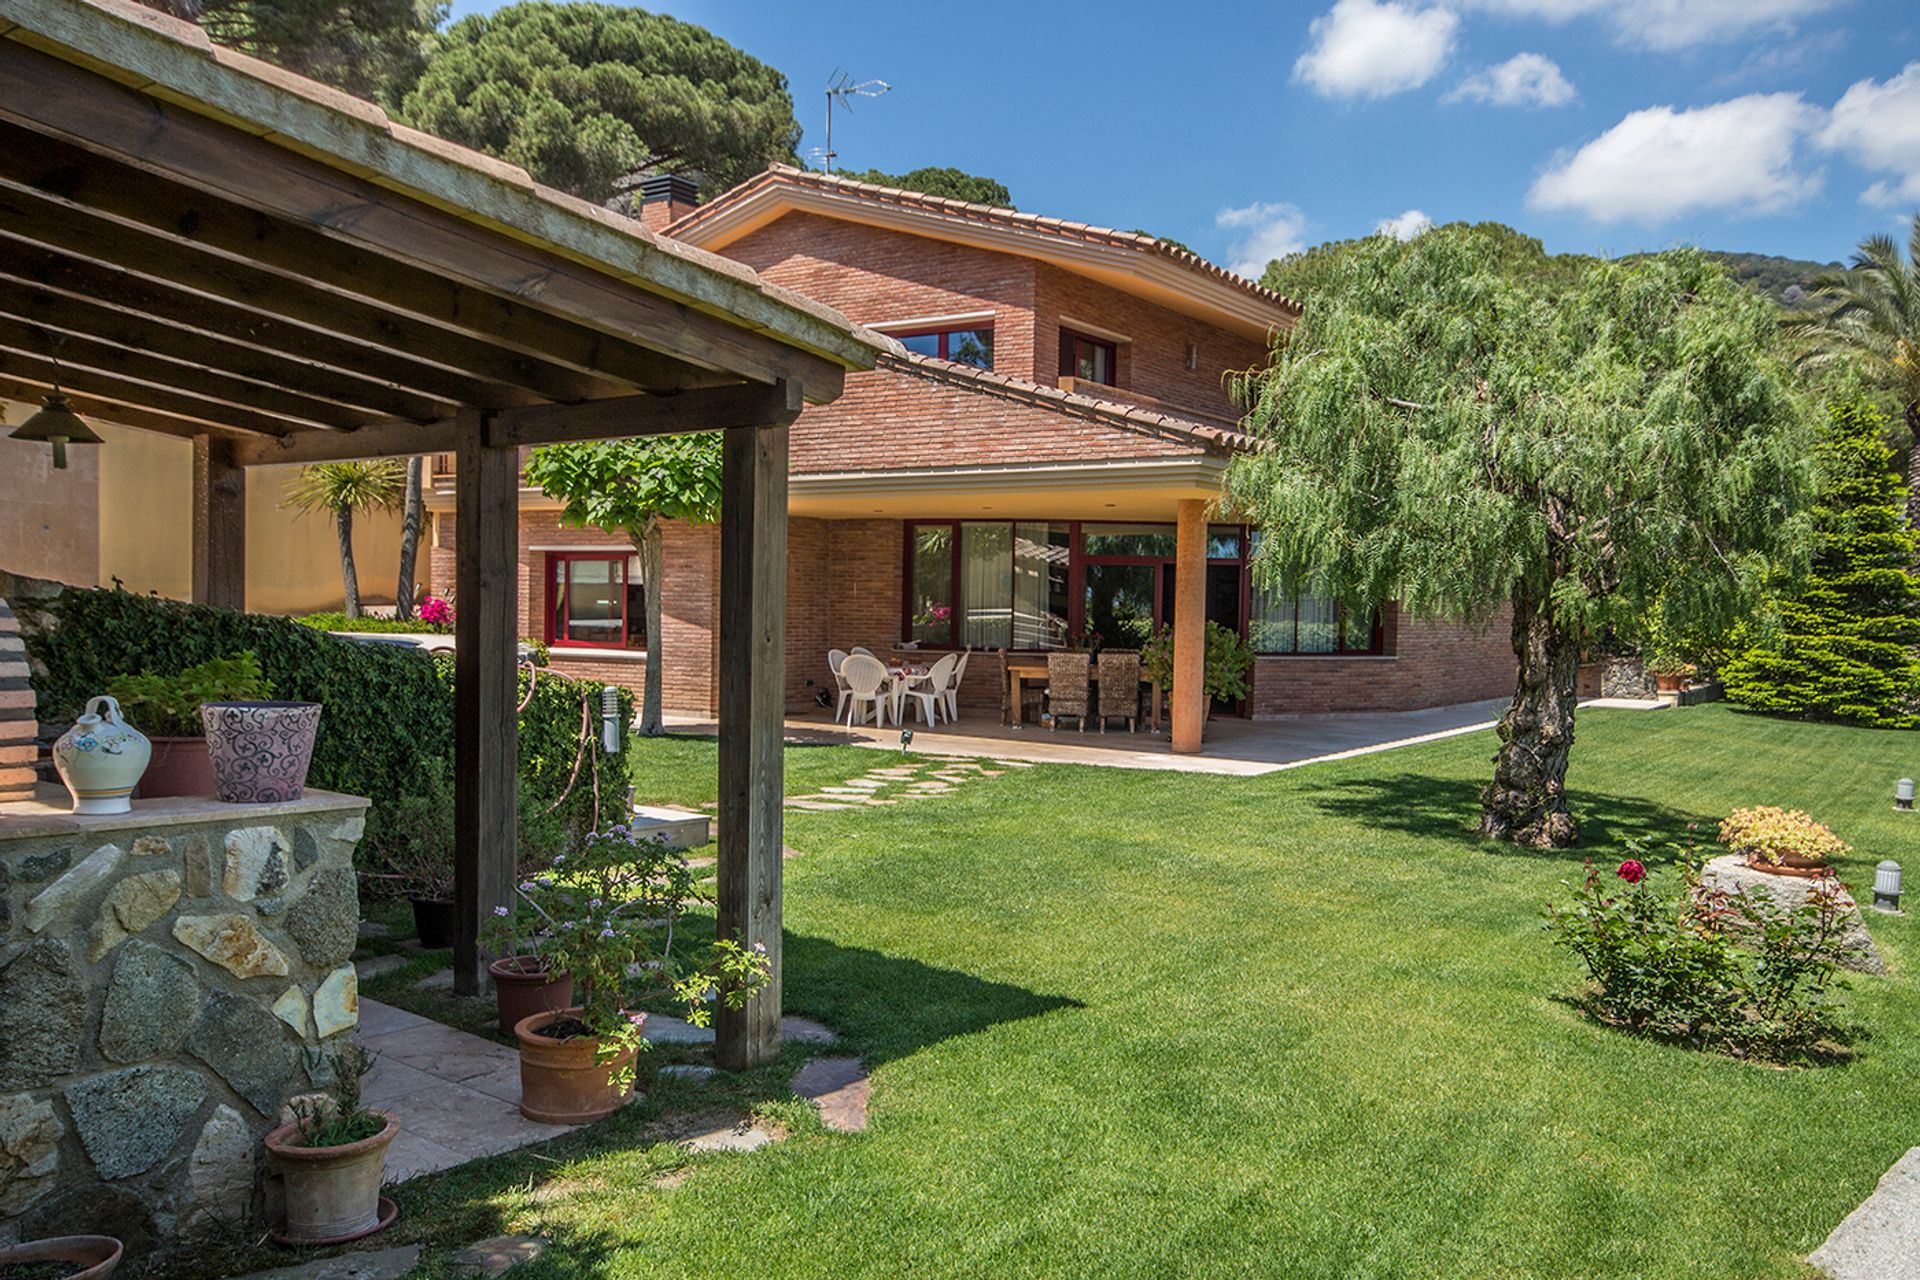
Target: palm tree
341,488
409,538
1873,326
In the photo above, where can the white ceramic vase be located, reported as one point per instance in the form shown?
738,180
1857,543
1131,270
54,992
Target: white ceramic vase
101,759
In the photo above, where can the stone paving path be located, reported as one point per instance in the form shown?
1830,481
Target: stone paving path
838,1089
1881,1239
894,784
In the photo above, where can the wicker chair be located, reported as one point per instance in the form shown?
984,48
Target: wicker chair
1119,687
1067,687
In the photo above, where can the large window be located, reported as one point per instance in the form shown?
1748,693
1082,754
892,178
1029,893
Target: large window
595,600
970,345
1087,358
1292,620
990,584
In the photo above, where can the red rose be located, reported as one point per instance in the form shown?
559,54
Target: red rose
1631,871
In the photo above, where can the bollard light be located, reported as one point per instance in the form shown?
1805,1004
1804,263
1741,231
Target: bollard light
906,740
1903,794
610,720
1886,886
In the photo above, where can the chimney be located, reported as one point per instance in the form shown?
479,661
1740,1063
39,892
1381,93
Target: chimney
665,197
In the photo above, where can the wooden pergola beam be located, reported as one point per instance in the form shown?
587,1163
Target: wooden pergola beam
205,411
743,405
28,390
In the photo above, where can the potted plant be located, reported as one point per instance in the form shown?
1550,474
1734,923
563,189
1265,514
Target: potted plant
260,750
524,981
1782,842
413,844
1229,661
61,1258
606,914
333,1154
169,707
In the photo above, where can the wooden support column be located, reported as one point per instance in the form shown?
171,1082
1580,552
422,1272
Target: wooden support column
753,623
486,722
219,524
1190,625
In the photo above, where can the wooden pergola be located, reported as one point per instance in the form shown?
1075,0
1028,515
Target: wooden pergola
213,249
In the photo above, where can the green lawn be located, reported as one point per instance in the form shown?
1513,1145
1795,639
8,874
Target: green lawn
1152,1024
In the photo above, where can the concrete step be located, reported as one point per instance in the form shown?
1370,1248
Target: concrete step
682,828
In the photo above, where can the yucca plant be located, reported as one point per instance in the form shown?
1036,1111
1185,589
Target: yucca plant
341,488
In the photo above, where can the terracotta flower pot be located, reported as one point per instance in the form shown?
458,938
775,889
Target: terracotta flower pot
260,750
181,767
90,1257
333,1193
1669,681
561,1082
1791,865
524,986
433,922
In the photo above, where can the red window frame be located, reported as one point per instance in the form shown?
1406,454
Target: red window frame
1070,343
945,334
556,600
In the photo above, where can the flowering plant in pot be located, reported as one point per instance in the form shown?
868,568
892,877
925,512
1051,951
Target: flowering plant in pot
607,914
1783,842
169,707
61,1258
333,1154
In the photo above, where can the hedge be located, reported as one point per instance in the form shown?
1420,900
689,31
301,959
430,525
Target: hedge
388,707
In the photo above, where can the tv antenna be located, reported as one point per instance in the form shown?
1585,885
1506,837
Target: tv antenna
842,89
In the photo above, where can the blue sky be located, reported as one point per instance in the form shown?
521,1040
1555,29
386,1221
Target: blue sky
1242,129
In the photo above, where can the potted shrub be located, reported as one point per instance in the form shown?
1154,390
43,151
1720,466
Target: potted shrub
169,707
333,1154
1782,842
413,848
606,914
1229,662
61,1258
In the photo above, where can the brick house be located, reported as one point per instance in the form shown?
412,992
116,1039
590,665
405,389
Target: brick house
1010,476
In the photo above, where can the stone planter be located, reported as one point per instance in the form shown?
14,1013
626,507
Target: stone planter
333,1193
560,1080
89,1257
524,986
433,922
260,750
180,767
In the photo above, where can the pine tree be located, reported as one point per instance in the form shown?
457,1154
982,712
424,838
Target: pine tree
1845,650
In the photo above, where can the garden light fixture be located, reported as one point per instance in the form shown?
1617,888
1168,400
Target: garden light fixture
1886,886
55,422
906,740
610,720
1903,795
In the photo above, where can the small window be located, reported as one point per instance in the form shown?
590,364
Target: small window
595,601
972,345
1088,359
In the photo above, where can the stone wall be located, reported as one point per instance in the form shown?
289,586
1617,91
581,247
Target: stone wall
168,979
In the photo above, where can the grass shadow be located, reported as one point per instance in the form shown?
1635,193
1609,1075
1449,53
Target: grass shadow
1449,808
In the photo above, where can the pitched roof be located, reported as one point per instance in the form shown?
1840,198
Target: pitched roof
717,222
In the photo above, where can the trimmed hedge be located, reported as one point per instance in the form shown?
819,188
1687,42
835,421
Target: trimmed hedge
337,621
388,707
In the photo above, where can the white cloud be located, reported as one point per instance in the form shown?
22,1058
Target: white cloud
1262,232
1525,79
1671,24
1737,156
1877,126
1373,48
1405,227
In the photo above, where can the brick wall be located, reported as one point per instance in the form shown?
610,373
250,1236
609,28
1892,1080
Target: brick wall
1432,663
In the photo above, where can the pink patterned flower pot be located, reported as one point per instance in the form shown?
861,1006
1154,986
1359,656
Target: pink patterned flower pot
260,750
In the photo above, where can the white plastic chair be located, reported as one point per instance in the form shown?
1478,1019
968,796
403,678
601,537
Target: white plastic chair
951,694
834,658
861,649
867,679
931,689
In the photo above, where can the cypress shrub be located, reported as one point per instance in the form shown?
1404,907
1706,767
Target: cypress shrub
389,709
1845,646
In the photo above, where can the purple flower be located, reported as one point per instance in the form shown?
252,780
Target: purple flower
607,934
526,886
761,947
500,911
594,903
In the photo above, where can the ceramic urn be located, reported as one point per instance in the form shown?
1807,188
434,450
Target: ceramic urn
101,759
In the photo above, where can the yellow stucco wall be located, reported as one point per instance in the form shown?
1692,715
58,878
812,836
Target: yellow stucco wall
293,560
49,520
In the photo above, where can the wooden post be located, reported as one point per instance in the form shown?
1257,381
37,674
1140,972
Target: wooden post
753,623
219,524
1190,625
486,723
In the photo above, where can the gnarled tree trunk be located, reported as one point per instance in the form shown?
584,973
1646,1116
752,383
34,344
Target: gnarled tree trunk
651,568
1527,800
409,539
349,576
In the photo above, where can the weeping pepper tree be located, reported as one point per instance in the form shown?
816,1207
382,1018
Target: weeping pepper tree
630,487
1466,437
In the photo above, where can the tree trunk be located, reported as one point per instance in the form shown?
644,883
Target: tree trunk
343,524
1913,464
651,574
409,539
1527,800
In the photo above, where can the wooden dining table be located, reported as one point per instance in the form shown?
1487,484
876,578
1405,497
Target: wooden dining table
1021,670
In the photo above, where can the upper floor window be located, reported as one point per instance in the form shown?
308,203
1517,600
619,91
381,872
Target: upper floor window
972,345
1091,359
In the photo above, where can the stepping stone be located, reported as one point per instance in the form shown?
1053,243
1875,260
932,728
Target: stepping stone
805,1031
838,1089
374,929
377,966
441,981
844,791
1881,1239
1014,764
689,1071
383,1264
898,771
679,828
501,1253
740,1137
820,805
862,784
663,1028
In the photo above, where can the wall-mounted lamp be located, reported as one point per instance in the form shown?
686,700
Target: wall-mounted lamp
610,720
1886,886
1903,795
